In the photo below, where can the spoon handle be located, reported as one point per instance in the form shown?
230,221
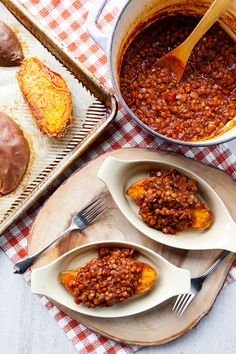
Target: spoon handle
212,14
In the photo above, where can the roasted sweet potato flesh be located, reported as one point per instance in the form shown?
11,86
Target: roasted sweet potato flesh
202,217
47,97
148,278
111,278
68,277
169,202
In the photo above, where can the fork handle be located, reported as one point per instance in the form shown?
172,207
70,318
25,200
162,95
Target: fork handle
215,265
21,266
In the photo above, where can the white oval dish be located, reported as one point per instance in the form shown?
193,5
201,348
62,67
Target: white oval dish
118,175
171,280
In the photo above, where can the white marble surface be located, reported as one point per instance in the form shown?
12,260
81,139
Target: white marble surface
27,328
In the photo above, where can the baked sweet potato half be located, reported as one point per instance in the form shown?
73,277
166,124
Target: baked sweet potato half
14,154
11,53
169,202
47,97
110,278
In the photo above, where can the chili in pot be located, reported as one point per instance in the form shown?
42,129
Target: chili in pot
200,105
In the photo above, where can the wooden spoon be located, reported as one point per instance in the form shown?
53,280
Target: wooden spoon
176,59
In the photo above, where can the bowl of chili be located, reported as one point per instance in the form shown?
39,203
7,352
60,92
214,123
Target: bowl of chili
198,110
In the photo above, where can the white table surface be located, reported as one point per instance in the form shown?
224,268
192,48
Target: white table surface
27,328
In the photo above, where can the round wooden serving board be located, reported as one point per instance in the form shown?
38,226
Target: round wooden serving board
159,325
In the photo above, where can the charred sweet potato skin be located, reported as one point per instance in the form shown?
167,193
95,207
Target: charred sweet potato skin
47,96
11,53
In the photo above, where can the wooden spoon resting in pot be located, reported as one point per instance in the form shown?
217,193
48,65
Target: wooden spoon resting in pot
176,59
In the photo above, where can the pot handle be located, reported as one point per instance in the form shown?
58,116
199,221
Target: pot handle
91,24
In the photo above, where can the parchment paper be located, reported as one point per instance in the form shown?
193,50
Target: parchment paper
43,149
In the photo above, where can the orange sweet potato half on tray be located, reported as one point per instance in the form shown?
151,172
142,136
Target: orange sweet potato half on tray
47,97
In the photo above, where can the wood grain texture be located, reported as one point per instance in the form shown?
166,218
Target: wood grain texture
158,325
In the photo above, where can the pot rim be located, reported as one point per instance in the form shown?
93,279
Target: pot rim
129,111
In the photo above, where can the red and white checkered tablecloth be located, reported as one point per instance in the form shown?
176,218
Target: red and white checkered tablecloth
66,20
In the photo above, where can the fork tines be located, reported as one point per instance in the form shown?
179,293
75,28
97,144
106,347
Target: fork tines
181,303
94,209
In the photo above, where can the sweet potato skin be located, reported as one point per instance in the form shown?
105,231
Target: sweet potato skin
11,53
47,97
14,154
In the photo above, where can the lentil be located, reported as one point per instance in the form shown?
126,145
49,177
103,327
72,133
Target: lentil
203,102
110,278
168,201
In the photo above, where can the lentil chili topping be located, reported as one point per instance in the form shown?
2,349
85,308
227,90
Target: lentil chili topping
203,102
168,202
111,278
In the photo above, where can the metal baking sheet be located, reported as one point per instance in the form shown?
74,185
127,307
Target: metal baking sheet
93,109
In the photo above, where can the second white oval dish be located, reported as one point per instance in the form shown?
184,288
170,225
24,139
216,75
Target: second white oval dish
171,280
118,175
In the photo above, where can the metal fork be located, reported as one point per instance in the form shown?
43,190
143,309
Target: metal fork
79,222
183,300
